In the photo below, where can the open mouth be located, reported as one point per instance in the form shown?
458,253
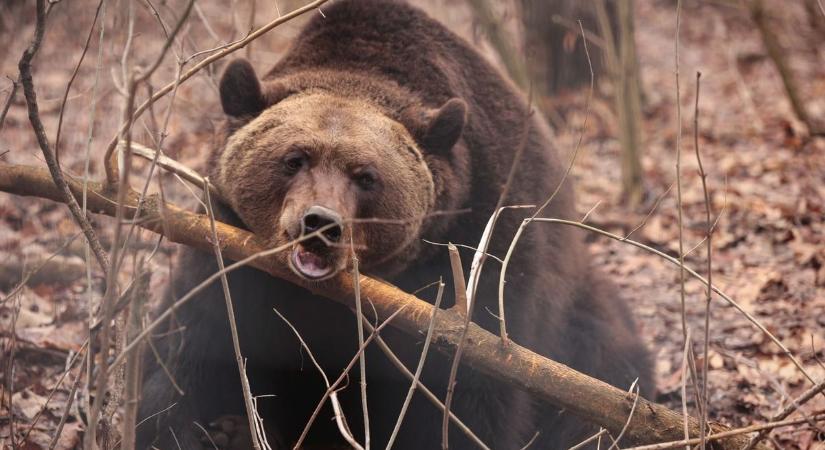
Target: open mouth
310,264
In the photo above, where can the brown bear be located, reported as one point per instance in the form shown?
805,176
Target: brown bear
378,130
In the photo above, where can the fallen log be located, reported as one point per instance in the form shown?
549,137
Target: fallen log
547,380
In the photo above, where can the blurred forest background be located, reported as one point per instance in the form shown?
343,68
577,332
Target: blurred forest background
760,133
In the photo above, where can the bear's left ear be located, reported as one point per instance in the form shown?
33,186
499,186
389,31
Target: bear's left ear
445,126
240,90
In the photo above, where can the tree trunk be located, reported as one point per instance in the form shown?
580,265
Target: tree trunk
556,58
629,108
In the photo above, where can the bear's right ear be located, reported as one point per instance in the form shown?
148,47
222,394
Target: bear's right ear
445,126
240,90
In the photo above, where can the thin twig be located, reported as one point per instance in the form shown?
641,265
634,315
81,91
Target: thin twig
590,211
424,390
709,234
479,258
511,249
615,444
108,306
332,388
480,255
173,166
9,100
462,342
111,169
206,434
137,300
532,439
206,24
684,387
419,368
29,273
583,443
679,174
695,275
251,25
65,373
788,410
581,131
43,141
164,368
679,203
570,25
649,213
111,292
154,163
233,327
362,360
727,434
10,355
68,407
71,80
468,247
87,248
109,159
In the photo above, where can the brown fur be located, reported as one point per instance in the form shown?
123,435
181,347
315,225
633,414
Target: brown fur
378,85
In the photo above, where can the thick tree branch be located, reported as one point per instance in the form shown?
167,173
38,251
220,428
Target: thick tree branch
547,380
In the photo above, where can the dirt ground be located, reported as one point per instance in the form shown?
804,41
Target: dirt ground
765,175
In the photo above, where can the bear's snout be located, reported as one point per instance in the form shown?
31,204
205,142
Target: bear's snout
316,256
328,222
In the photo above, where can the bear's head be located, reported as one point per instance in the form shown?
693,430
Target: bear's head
332,172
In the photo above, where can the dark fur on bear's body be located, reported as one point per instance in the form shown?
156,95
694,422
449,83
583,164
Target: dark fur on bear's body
398,59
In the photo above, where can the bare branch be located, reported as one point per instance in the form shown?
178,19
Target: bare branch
362,360
709,234
695,275
423,389
233,327
43,141
111,168
131,391
68,406
511,249
71,81
9,100
418,368
331,389
685,366
729,434
793,406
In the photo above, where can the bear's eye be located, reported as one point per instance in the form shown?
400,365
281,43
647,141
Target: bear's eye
366,179
294,161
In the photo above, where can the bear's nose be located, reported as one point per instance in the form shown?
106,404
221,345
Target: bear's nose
320,218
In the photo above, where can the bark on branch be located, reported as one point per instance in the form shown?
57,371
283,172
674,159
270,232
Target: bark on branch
547,380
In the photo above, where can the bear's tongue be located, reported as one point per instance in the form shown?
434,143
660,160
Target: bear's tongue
309,264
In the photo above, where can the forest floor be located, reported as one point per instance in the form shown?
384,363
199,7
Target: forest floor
765,176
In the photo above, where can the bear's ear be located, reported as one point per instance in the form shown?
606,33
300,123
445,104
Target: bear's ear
240,90
445,126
